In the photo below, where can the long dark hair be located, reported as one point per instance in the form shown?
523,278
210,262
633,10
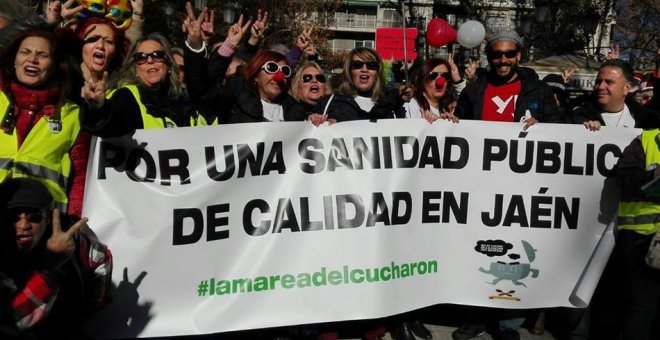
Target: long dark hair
420,84
58,80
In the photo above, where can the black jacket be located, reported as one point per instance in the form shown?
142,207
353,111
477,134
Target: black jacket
345,108
246,105
534,96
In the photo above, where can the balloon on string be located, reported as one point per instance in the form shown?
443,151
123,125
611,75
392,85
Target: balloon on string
471,34
439,33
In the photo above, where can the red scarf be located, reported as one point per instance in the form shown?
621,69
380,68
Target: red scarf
29,106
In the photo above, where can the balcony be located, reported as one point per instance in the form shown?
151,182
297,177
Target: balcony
357,22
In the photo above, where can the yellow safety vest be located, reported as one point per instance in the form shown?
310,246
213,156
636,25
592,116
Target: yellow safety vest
44,154
151,122
643,217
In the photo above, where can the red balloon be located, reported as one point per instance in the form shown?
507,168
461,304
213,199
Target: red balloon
440,33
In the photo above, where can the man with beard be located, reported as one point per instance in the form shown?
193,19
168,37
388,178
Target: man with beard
508,92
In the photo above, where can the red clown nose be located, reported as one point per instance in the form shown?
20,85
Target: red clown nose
440,82
279,77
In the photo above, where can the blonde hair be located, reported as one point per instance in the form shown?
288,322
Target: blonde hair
295,91
346,85
128,74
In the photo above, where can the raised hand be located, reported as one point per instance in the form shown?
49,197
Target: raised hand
208,30
471,70
138,6
62,242
237,30
93,91
614,52
453,69
305,38
568,72
258,28
58,12
193,26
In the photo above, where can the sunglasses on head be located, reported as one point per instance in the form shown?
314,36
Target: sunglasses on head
358,64
272,67
142,57
499,54
306,78
434,75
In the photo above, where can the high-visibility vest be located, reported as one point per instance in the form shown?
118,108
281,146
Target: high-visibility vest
643,216
152,122
44,154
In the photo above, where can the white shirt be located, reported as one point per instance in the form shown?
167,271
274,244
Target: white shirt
622,118
365,103
413,110
272,112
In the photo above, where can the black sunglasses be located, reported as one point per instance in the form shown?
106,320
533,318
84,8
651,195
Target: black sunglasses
32,215
434,75
499,54
358,64
306,78
142,57
272,67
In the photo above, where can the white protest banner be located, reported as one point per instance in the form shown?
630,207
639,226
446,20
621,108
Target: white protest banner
248,226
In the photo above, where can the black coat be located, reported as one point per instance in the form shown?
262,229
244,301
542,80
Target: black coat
345,108
534,96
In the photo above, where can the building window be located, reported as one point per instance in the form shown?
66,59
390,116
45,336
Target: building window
364,43
390,18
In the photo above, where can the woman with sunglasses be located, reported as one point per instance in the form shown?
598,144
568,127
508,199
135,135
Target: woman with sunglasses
433,92
361,93
260,94
309,85
149,94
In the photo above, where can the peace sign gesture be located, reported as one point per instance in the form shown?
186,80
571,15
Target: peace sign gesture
259,27
193,26
93,91
305,38
237,30
58,12
62,242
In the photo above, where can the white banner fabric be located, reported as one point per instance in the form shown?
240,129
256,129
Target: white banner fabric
249,226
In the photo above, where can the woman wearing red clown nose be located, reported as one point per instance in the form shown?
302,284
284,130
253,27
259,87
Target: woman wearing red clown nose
260,94
434,92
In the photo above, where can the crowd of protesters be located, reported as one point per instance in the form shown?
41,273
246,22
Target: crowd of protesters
76,72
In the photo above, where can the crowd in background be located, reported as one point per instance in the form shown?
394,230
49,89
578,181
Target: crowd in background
78,72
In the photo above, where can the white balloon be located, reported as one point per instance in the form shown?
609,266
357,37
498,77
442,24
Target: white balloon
471,34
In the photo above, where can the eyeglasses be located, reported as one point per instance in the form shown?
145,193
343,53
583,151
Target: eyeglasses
306,78
434,75
181,67
272,67
499,54
142,57
358,64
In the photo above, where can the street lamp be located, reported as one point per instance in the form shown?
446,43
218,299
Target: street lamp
543,8
199,4
228,13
